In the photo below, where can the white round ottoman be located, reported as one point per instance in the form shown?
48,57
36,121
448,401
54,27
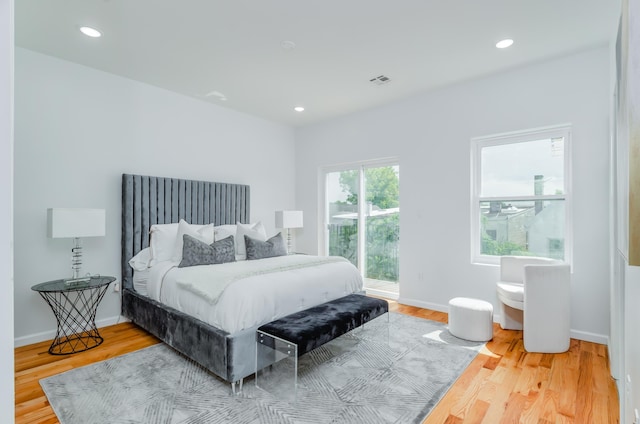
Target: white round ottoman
471,319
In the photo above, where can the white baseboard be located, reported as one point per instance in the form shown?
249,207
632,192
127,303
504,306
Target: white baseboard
422,304
49,335
575,334
385,294
590,337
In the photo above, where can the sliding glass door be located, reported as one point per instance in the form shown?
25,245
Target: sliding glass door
365,229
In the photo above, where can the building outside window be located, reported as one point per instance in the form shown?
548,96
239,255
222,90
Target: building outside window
521,195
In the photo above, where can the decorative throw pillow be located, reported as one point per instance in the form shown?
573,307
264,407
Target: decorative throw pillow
255,231
257,249
196,252
201,232
225,250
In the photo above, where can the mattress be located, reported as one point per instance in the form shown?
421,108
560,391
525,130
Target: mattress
255,298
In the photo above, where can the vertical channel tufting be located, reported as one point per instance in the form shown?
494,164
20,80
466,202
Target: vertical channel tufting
216,204
220,193
187,198
188,211
167,201
200,210
232,203
175,186
238,197
228,204
220,206
127,229
183,209
243,204
208,216
137,212
160,202
231,215
239,208
145,225
153,201
223,207
247,203
194,202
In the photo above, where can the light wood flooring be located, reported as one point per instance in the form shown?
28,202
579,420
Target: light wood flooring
504,384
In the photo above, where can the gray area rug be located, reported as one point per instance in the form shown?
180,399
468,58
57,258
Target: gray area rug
388,372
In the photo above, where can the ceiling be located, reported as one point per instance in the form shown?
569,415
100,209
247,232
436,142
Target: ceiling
235,47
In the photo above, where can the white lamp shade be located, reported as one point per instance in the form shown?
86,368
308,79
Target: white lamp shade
288,219
65,222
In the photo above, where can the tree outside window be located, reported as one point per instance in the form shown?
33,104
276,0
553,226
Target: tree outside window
382,221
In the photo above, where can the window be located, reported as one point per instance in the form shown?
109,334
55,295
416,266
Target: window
521,195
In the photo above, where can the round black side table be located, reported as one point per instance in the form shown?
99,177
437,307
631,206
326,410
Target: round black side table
74,306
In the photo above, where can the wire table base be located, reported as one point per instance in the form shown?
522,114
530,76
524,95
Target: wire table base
75,311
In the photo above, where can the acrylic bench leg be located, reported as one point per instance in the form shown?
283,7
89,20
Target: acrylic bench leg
239,386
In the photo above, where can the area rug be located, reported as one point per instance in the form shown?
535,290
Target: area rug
395,370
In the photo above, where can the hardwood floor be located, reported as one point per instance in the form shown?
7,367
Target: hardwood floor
504,384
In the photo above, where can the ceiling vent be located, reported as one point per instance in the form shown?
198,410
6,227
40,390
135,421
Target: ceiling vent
380,80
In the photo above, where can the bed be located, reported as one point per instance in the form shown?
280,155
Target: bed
223,343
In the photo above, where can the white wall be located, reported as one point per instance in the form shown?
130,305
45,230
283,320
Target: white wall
431,134
6,175
78,129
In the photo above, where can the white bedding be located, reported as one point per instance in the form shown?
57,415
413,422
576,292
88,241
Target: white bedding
253,299
140,280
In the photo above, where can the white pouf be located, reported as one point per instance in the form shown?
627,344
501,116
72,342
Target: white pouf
471,319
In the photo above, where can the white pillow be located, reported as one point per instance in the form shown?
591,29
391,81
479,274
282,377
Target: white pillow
163,240
224,231
205,230
142,260
255,231
201,232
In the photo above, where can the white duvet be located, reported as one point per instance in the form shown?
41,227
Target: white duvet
244,294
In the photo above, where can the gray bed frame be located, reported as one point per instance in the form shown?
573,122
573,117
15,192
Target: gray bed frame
156,200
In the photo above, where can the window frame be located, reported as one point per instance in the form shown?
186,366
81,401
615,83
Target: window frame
477,144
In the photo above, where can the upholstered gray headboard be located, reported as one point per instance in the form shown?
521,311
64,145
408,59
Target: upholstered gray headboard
157,200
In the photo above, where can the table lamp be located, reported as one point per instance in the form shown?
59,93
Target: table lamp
75,223
288,220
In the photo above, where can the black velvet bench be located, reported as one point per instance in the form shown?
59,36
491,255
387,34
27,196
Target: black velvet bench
301,332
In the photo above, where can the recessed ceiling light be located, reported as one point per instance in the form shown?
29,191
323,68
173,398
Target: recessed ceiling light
298,109
503,44
90,32
217,94
288,45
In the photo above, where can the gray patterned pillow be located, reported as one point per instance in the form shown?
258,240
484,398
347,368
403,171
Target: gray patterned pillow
196,252
257,249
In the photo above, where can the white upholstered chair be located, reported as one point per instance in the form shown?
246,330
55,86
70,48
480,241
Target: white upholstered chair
535,296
